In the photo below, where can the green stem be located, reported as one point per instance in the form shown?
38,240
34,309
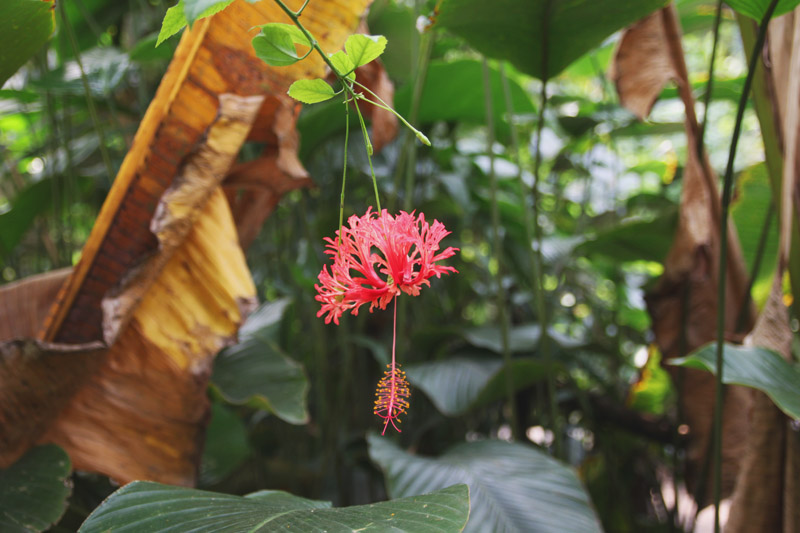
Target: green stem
368,146
498,250
383,105
87,92
344,164
314,44
723,254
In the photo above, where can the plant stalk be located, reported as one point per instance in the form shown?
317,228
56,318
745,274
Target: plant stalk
498,250
723,251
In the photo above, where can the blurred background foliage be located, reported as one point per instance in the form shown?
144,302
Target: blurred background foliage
608,209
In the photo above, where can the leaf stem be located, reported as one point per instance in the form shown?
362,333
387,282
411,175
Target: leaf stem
723,251
368,146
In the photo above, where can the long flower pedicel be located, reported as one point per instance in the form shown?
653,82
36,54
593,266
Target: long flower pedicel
376,258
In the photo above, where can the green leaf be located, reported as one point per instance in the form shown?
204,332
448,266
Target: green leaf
258,373
758,8
344,66
34,490
32,201
453,90
145,507
226,446
513,29
752,366
145,50
196,9
749,209
634,240
364,48
25,26
513,487
298,37
458,384
311,91
176,19
275,46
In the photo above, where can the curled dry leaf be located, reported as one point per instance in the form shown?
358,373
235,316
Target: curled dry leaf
767,489
683,305
255,187
162,283
642,66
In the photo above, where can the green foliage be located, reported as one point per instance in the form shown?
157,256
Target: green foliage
459,384
34,490
361,49
194,10
186,12
752,366
226,445
344,65
513,487
756,9
25,26
275,44
525,32
150,507
311,91
257,372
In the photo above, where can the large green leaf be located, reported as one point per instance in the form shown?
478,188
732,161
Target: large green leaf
521,338
453,90
513,487
143,507
34,490
257,372
25,26
458,384
520,30
758,8
752,205
634,240
226,445
752,366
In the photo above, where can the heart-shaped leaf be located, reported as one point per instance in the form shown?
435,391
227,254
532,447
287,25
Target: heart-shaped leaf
143,507
344,66
275,46
364,48
311,91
